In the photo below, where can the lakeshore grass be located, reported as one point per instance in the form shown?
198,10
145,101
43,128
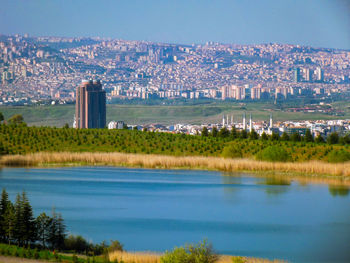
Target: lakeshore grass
311,168
149,257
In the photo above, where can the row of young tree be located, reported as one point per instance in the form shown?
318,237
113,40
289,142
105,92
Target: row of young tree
333,138
19,226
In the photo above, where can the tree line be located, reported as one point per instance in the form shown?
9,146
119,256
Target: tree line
19,226
21,139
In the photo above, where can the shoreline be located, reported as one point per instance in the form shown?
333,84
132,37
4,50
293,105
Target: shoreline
307,171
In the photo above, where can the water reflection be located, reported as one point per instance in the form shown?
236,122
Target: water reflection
279,184
339,190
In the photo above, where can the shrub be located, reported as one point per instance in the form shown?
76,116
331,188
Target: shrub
76,243
273,154
200,253
115,246
338,156
232,151
237,259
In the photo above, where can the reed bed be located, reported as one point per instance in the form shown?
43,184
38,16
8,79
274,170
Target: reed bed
172,162
168,162
134,257
148,257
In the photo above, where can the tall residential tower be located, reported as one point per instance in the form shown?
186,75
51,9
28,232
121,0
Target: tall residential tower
90,108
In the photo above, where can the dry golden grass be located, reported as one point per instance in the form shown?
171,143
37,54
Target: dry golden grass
136,257
169,162
147,257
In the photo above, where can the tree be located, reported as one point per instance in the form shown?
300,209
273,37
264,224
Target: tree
244,134
43,223
1,117
66,126
234,134
16,119
18,232
285,137
319,139
333,138
223,133
9,222
274,154
61,232
253,135
346,139
28,221
56,231
295,137
264,137
275,136
214,131
4,202
308,136
205,132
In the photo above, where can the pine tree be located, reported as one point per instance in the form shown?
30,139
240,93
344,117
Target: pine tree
264,136
3,207
43,223
29,232
308,136
223,133
61,232
253,135
57,231
234,132
214,131
285,137
205,131
18,221
53,229
9,222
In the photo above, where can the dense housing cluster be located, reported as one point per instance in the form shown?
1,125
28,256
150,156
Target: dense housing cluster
37,69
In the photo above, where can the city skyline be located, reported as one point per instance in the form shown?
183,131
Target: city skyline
310,23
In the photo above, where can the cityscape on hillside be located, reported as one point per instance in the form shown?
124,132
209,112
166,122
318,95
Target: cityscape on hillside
44,70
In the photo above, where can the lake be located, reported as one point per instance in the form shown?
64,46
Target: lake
156,210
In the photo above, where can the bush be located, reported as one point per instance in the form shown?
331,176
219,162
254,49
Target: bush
200,253
273,154
76,243
338,156
237,259
115,246
232,151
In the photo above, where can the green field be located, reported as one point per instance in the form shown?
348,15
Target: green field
58,115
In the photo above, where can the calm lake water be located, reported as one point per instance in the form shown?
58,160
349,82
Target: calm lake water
159,209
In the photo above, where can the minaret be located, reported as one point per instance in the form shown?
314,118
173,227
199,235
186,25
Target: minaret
271,123
244,122
227,120
231,120
250,124
223,120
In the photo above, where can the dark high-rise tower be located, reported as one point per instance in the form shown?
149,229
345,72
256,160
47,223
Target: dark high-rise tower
297,75
90,108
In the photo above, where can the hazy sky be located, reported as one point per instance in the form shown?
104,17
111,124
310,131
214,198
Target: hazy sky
320,23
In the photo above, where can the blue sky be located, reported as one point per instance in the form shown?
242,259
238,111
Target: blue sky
319,23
